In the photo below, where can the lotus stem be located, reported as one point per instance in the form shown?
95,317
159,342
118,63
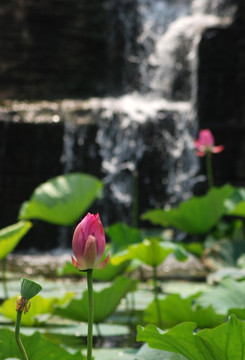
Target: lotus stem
135,199
158,309
135,220
17,336
90,314
209,170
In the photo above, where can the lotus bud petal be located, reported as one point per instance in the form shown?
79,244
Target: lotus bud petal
88,244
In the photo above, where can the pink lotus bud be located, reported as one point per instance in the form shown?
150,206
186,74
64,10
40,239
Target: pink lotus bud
88,244
205,143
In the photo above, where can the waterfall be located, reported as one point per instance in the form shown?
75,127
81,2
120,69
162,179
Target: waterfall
165,94
146,121
125,142
155,17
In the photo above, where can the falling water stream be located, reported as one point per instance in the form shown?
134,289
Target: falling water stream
166,55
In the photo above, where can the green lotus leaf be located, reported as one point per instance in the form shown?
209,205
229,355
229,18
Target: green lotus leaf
62,200
235,204
196,215
105,301
122,235
39,306
228,294
151,252
37,346
175,309
11,235
146,353
225,341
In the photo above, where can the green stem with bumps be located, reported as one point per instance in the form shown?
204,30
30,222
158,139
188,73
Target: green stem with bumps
17,336
90,314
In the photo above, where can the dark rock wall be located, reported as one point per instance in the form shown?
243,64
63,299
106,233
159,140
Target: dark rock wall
25,162
221,96
57,48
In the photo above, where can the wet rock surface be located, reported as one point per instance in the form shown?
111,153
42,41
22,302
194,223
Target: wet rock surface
47,264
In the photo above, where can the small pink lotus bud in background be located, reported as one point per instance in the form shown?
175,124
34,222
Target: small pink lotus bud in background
88,244
205,143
